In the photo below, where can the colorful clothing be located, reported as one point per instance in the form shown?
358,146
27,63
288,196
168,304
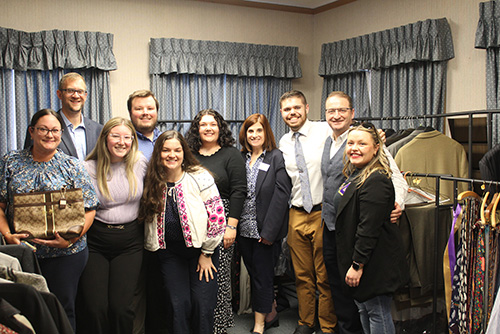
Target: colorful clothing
20,174
200,211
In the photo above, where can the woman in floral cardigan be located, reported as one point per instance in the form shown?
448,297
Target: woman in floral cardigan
184,223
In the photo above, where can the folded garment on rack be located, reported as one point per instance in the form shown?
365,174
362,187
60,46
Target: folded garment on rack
35,280
25,255
10,262
13,319
43,310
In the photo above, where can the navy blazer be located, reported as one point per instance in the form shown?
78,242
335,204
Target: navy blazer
272,193
92,132
365,234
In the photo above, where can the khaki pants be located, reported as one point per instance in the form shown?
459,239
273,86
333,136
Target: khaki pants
305,239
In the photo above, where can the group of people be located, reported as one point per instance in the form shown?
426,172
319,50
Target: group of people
329,187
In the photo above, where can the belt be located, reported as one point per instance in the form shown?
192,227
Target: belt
317,207
116,227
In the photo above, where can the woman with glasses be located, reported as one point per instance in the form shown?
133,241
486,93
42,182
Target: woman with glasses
184,223
264,219
43,167
116,239
369,246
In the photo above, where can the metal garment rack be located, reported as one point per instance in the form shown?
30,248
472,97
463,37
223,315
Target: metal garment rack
438,178
489,122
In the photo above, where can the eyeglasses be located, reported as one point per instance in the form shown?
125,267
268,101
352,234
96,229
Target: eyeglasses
71,91
341,111
116,137
45,131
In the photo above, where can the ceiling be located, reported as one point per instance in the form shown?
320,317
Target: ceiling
297,6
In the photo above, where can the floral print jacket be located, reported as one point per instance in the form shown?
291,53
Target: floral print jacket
201,214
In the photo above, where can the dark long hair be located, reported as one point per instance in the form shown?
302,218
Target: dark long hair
156,175
193,134
44,112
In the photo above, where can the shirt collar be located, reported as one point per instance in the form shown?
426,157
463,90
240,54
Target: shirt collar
341,138
304,130
156,134
249,154
68,122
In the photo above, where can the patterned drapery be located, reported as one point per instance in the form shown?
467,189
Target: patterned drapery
236,79
404,67
487,37
31,65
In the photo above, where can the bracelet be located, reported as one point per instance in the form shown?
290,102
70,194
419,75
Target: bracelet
231,227
70,244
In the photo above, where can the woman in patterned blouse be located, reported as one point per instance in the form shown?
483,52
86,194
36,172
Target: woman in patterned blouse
184,223
264,219
43,167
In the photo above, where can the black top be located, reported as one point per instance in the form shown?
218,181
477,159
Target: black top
173,229
228,168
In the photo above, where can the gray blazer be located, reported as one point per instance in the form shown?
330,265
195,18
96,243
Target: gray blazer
92,131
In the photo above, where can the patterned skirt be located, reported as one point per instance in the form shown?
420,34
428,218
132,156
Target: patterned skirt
223,317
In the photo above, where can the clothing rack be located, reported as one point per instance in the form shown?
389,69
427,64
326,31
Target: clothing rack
436,255
489,122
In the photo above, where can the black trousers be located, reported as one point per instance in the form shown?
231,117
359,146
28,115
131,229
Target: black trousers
62,274
191,302
110,278
260,260
348,320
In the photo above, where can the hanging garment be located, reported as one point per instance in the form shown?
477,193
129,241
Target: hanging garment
459,309
433,152
449,258
489,165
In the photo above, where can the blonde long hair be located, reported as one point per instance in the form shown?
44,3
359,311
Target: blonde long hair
378,163
101,154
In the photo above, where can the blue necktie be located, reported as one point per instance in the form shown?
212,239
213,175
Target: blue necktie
303,175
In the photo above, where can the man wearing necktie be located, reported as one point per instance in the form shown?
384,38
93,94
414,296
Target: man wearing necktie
302,149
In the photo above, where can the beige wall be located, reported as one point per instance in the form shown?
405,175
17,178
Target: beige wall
134,22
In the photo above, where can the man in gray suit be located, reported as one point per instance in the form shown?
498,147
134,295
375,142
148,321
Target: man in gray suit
79,132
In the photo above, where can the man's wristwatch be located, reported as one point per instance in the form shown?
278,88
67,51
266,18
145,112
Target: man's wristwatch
206,254
356,266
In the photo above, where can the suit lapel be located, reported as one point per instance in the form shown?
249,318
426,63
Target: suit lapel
261,175
348,193
67,141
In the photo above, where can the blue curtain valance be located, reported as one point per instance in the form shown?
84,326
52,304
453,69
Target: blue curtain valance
184,56
53,49
428,40
487,35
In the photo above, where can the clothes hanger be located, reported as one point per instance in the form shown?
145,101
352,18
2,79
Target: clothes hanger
488,211
494,212
468,193
483,204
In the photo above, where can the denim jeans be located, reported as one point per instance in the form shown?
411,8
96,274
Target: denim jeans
376,315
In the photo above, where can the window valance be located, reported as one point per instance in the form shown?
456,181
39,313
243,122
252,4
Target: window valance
428,40
183,56
487,34
52,49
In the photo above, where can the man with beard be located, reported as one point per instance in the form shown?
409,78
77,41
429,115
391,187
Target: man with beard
143,110
305,232
79,132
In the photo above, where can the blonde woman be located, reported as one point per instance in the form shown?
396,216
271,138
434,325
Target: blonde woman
116,241
369,247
